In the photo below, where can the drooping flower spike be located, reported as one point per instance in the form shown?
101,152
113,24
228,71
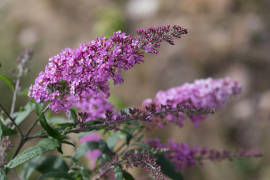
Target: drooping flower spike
181,154
202,94
80,77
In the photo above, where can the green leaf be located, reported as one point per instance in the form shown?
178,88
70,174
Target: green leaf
127,176
112,139
103,146
39,108
127,132
21,115
5,131
85,147
43,146
51,132
103,159
118,173
8,82
3,175
1,134
72,115
65,125
90,123
44,165
59,149
56,174
85,173
55,120
69,143
167,167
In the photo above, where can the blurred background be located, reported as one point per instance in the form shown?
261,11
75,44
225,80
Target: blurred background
226,38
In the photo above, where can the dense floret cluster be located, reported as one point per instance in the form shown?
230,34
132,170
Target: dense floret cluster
202,94
182,154
80,77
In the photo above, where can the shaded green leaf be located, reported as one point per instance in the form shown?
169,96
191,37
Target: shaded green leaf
127,133
43,146
39,108
1,134
69,143
104,158
8,82
72,115
5,131
85,173
56,120
60,122
118,173
167,168
103,146
91,123
56,174
51,132
3,175
21,115
85,147
112,139
59,149
127,176
44,165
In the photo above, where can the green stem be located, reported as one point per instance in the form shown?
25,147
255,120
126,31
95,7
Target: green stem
12,120
23,59
25,138
22,142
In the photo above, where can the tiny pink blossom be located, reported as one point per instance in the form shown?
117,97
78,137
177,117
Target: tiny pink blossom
92,136
94,154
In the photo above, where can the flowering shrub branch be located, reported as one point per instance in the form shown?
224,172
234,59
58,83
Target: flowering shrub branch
76,82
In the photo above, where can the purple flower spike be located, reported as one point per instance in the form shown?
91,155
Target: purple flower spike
202,94
74,76
182,154
91,137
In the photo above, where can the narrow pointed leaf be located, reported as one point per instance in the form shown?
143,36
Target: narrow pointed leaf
3,175
44,165
56,175
167,168
6,131
88,146
43,146
20,116
8,82
118,173
51,132
72,115
127,176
